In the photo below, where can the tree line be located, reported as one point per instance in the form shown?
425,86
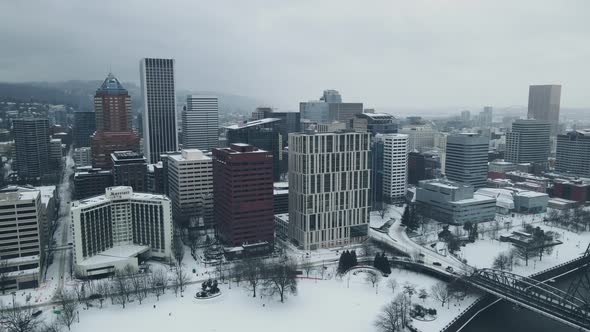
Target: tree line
269,278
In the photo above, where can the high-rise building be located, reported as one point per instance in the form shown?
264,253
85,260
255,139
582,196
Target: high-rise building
544,103
467,159
395,166
84,127
486,116
55,154
243,194
90,181
263,134
22,240
528,142
120,228
112,106
190,188
159,107
330,108
375,123
200,123
329,183
573,153
465,116
420,136
31,139
130,169
82,156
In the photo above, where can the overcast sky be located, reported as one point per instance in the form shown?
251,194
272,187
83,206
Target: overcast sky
414,53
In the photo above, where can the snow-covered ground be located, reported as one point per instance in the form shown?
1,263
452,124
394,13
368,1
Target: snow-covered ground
325,305
481,253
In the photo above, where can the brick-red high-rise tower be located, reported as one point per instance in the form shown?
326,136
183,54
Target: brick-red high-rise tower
112,105
243,194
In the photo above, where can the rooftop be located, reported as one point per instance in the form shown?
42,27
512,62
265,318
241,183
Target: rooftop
116,253
111,84
253,123
190,154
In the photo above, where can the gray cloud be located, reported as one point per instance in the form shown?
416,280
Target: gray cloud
418,53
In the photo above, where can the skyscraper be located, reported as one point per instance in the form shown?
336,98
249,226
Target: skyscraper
467,159
84,127
159,107
573,153
544,103
31,140
200,123
330,108
329,182
243,194
528,142
395,166
130,169
112,106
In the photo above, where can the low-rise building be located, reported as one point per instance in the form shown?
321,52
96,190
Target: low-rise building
90,181
120,228
453,202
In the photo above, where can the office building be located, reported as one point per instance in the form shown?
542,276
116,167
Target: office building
130,169
200,123
263,134
119,228
82,156
155,178
395,166
281,197
31,140
544,103
190,188
84,127
112,106
329,183
466,159
90,181
159,107
486,116
573,153
55,154
330,108
375,123
243,196
420,136
528,142
21,241
453,202
465,116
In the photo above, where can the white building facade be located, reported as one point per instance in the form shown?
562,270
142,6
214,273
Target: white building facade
329,183
120,228
395,166
190,187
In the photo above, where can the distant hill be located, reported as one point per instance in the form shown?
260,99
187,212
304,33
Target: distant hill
79,94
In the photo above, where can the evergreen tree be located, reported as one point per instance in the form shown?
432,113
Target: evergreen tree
406,217
377,262
413,222
353,259
385,264
341,263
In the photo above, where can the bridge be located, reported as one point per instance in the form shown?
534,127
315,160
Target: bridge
571,307
535,295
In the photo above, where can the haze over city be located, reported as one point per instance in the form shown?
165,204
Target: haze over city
400,54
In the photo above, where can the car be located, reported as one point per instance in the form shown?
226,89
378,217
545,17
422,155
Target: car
37,313
449,269
437,264
421,255
420,261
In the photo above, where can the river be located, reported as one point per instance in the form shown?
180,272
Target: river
504,316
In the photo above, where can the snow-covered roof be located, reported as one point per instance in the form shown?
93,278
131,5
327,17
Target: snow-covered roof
122,252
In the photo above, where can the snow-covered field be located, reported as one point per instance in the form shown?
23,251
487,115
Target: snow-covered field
325,305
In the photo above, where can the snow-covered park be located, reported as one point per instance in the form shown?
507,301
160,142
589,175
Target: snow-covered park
322,305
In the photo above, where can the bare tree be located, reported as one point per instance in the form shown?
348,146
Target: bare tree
121,290
373,278
253,273
393,316
423,294
440,292
502,262
281,279
181,278
102,291
3,275
237,273
383,209
18,319
392,284
54,326
178,249
409,289
139,285
69,308
158,282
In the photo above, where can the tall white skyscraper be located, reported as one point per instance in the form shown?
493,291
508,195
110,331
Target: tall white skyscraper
395,166
159,107
200,123
329,183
